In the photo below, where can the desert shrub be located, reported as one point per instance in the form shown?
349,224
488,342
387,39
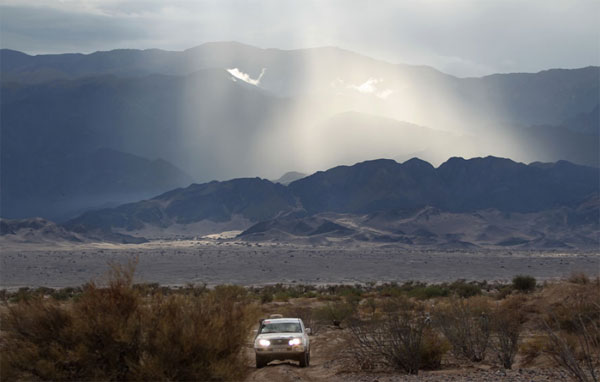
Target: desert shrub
96,339
532,348
193,289
390,290
401,340
507,322
336,313
67,293
524,283
427,292
266,297
466,325
22,294
371,305
343,290
281,292
433,348
196,338
113,333
576,353
463,289
579,278
504,291
572,333
39,341
282,296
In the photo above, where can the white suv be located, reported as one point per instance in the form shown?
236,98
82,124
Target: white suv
282,339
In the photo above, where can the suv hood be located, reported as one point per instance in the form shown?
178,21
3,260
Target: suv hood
268,336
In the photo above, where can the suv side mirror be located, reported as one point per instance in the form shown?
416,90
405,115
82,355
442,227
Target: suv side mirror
308,331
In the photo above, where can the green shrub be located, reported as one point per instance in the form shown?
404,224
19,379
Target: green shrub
464,289
427,292
524,283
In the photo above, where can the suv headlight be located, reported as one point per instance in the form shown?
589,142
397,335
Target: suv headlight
295,341
263,342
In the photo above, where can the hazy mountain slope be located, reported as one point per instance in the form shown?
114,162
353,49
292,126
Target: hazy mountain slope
35,230
62,184
252,198
547,97
429,227
186,120
350,137
289,177
586,122
202,123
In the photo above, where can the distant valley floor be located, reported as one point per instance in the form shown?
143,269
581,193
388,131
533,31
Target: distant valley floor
217,261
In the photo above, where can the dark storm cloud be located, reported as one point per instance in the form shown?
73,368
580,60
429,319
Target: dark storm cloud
460,37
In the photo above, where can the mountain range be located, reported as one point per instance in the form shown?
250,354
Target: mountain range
462,203
80,132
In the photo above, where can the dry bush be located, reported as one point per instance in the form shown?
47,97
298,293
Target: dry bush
433,348
96,338
572,333
531,349
466,325
507,323
579,278
196,337
113,333
401,340
38,341
336,313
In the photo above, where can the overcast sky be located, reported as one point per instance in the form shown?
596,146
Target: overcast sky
464,38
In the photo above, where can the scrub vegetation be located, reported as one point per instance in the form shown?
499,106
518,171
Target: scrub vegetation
122,330
116,332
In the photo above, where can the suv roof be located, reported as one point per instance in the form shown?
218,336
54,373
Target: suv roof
276,320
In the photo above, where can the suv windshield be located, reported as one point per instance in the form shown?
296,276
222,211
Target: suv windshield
281,327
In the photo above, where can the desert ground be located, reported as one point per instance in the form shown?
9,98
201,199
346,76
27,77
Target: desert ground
329,362
219,259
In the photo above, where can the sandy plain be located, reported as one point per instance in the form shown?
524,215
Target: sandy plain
222,259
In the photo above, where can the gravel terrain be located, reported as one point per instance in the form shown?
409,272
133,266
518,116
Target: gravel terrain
218,261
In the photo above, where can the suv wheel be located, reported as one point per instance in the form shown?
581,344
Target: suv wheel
304,359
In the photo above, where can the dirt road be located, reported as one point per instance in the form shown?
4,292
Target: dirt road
329,364
325,362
